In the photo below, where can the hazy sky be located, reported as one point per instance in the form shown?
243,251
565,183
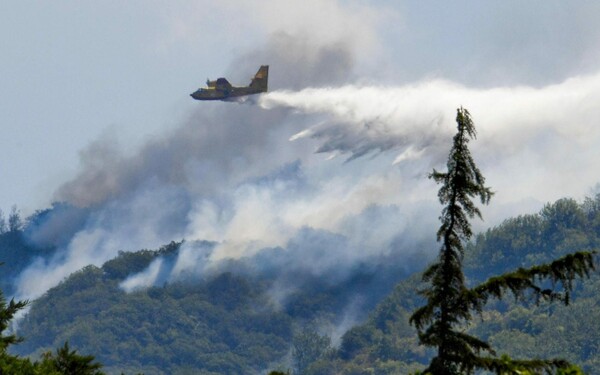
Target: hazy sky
95,106
73,71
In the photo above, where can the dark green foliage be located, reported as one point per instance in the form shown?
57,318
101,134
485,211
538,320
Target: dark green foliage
450,303
528,240
14,220
222,325
16,251
64,362
67,361
308,346
7,312
127,263
354,341
562,271
223,322
127,332
387,344
445,308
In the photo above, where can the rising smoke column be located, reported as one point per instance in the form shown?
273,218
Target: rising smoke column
526,124
336,171
395,135
203,180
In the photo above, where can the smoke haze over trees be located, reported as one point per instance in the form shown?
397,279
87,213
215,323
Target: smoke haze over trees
324,176
347,120
94,312
230,165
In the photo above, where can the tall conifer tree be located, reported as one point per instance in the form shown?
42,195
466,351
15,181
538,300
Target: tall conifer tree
450,303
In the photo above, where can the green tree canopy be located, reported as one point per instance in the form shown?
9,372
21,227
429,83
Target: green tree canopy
450,303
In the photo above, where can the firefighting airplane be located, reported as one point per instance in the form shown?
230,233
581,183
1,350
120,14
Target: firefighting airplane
221,89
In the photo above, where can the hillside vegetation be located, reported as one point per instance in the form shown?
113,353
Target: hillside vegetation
387,344
227,323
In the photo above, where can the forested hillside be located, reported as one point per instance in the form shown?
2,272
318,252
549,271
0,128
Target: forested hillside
224,323
24,241
229,322
387,344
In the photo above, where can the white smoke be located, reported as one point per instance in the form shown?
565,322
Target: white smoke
143,279
270,190
535,145
522,130
154,215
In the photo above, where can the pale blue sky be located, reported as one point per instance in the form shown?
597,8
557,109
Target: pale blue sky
72,71
95,110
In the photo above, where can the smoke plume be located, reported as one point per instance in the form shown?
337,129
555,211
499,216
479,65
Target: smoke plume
318,177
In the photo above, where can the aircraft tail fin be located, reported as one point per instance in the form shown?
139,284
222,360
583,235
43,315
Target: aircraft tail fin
261,79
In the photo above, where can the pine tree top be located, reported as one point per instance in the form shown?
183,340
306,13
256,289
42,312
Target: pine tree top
450,304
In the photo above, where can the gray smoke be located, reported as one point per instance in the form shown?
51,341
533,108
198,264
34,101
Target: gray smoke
369,120
264,183
296,62
225,175
198,155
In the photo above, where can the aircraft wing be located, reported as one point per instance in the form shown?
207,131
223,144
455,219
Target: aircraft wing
223,84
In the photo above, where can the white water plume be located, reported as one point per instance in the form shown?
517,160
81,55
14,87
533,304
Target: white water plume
364,119
248,177
521,130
